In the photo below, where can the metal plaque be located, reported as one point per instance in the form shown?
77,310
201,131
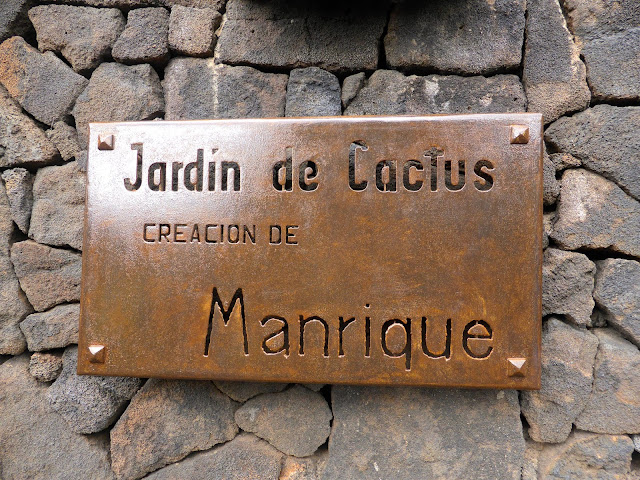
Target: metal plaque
363,250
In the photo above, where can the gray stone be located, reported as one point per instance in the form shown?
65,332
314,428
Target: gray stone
389,92
214,4
595,213
13,18
424,433
36,443
21,140
617,294
18,183
117,93
83,35
243,391
47,275
198,89
351,86
547,225
296,421
45,367
165,422
613,66
125,4
606,139
58,206
55,328
145,38
608,34
65,138
471,37
562,161
40,82
312,92
336,36
554,77
192,30
636,442
584,456
89,403
245,457
568,355
13,303
316,387
613,406
551,186
567,285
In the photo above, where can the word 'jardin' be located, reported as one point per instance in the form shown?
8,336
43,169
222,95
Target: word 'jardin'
473,331
415,174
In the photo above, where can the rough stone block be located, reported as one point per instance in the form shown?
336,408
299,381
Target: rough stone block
22,141
424,433
13,18
45,367
606,139
145,38
554,77
192,30
613,405
35,442
165,422
567,285
617,294
83,35
595,213
89,403
55,328
58,206
42,83
296,421
351,86
335,36
118,93
389,92
472,37
312,92
48,276
568,355
18,183
244,457
551,186
198,89
65,138
243,391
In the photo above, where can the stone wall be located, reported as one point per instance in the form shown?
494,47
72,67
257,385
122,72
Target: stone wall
65,63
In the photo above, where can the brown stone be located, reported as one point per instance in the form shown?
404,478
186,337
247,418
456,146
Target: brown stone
48,276
55,328
42,83
65,138
18,183
165,422
192,30
83,35
58,206
45,367
145,38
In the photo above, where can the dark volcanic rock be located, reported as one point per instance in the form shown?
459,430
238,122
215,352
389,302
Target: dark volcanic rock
336,36
243,391
471,36
19,186
40,82
198,89
117,93
89,403
554,77
35,442
165,422
568,355
351,86
48,276
83,35
312,92
246,457
45,367
13,18
424,433
55,328
65,138
192,30
606,139
145,38
296,421
389,92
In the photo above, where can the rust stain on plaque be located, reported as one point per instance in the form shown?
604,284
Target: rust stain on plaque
368,250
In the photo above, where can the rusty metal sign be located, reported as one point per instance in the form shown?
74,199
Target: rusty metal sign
364,250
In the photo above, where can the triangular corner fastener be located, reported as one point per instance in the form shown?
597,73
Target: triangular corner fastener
515,367
106,142
96,353
519,134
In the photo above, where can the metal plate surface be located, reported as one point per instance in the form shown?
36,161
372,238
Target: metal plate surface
363,250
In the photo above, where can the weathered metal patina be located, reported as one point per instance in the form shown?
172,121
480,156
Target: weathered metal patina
369,250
